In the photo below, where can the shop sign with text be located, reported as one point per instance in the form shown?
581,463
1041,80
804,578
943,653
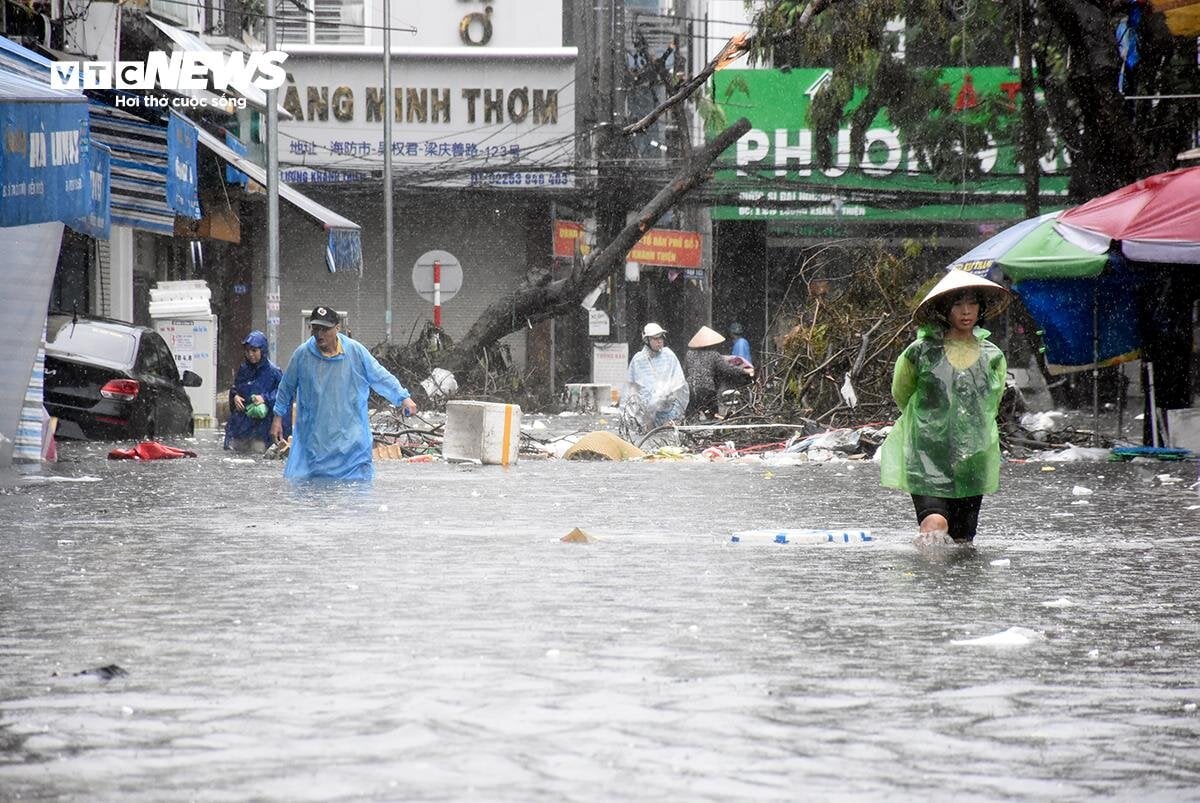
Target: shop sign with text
568,236
669,248
778,154
470,122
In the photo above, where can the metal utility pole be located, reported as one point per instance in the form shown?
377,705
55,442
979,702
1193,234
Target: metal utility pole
610,216
388,234
272,146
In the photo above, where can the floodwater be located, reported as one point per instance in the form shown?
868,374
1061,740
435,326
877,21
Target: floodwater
429,637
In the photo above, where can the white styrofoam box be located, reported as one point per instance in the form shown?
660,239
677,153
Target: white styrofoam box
183,284
168,309
158,293
483,432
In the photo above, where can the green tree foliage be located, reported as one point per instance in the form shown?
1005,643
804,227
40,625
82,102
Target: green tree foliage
1109,139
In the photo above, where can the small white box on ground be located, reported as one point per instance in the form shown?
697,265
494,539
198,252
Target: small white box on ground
482,432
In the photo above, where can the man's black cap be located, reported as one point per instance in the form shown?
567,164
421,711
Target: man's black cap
324,316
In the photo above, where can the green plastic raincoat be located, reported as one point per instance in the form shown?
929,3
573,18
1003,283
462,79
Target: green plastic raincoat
946,442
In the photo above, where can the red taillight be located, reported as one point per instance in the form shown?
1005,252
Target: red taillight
121,389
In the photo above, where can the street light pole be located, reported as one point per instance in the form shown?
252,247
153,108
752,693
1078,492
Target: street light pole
610,214
388,234
271,132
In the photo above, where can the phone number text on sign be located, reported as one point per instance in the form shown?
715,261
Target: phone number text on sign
481,178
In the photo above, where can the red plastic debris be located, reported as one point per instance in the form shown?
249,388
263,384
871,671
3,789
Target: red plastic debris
149,450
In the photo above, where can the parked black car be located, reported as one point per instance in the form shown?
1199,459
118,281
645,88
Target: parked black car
112,380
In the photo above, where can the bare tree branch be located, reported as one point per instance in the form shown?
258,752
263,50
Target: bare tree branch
534,301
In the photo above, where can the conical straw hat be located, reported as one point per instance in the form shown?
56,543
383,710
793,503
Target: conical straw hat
995,296
705,337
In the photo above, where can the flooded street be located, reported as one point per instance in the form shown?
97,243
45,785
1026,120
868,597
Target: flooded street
429,636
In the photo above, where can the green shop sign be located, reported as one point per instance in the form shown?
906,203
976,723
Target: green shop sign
776,178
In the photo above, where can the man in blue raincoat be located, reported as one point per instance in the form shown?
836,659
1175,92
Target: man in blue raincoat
330,376
251,397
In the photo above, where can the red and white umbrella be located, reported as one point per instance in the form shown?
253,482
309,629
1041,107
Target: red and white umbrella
1155,219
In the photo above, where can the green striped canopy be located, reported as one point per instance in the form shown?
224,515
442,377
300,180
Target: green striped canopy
1044,254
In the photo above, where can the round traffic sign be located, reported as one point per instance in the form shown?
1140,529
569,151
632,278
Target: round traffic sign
451,275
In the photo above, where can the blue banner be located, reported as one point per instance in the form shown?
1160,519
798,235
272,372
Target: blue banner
98,221
232,174
44,161
182,193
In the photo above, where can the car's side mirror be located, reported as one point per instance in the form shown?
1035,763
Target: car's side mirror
191,379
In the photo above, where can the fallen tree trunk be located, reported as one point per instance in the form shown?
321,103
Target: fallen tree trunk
539,298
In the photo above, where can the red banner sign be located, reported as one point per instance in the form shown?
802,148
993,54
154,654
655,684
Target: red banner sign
667,247
566,234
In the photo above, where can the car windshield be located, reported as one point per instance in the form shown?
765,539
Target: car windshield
96,341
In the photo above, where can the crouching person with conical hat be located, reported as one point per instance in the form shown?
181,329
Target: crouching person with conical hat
944,449
709,372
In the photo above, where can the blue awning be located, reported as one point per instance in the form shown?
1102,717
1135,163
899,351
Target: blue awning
139,156
46,155
23,62
138,150
139,168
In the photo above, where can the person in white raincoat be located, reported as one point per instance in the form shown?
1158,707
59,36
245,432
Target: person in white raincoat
658,391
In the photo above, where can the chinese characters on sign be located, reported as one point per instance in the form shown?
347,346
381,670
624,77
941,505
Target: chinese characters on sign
481,120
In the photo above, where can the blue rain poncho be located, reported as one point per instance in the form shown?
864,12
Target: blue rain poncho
658,391
946,442
332,434
257,379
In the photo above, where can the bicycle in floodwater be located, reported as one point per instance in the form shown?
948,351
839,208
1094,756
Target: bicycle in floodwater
741,422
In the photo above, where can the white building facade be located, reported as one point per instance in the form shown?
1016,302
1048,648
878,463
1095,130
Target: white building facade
483,143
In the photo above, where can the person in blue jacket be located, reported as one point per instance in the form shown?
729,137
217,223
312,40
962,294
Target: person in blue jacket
252,397
741,346
330,376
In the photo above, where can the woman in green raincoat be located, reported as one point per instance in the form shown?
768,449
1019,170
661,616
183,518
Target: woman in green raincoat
944,449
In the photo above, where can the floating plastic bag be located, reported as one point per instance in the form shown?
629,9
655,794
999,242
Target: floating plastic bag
787,536
1041,422
848,394
1073,454
439,384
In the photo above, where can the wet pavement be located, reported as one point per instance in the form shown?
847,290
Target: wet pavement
428,636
